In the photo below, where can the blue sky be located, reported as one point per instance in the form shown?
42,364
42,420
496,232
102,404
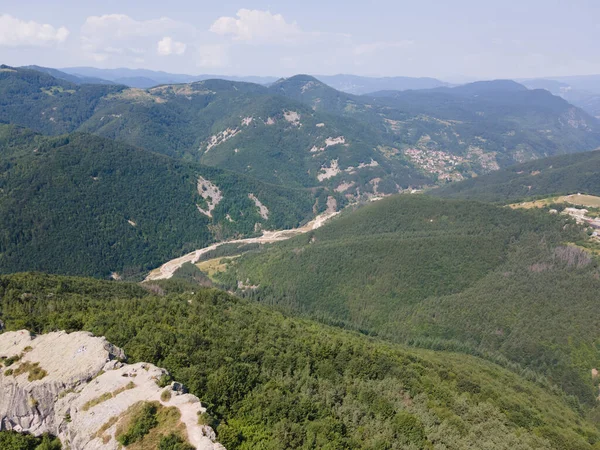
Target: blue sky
445,39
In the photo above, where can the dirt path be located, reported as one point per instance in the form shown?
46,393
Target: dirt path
167,270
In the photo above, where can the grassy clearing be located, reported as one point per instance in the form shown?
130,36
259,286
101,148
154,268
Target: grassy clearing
145,425
216,265
56,90
583,200
590,201
540,203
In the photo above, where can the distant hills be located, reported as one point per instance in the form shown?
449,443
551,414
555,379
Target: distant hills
300,132
77,79
452,133
582,91
143,78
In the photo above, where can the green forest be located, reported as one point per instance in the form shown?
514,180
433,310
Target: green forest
272,381
84,205
444,274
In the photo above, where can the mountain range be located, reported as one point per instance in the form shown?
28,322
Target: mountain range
582,91
300,132
458,312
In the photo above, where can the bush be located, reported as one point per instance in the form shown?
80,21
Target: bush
141,424
173,442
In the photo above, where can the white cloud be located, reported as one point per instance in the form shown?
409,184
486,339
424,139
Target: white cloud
256,25
118,35
121,26
374,47
17,33
167,46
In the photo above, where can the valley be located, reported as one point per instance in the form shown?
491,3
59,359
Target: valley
168,269
269,263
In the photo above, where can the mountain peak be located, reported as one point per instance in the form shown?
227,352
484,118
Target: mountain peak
301,83
491,86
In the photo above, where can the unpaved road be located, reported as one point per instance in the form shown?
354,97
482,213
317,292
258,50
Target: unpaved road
167,270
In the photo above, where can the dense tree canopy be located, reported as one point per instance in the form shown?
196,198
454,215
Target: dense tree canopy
273,382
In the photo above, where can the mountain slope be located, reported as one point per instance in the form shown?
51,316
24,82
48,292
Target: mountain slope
565,174
81,204
458,275
452,133
272,381
46,104
238,126
142,78
300,132
585,95
77,79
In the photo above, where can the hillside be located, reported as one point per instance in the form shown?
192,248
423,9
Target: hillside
143,78
300,132
276,382
237,126
545,177
423,270
81,204
46,104
583,92
77,79
451,133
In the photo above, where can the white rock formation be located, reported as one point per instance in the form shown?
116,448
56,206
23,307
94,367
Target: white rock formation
330,171
262,209
292,117
209,192
82,389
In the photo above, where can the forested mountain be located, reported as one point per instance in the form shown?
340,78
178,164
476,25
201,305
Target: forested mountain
499,305
274,382
566,174
452,133
449,274
236,126
81,204
583,92
143,78
77,79
300,132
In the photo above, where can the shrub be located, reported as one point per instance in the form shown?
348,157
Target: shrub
173,442
141,424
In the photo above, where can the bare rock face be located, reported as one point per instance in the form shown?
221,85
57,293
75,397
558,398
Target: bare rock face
76,387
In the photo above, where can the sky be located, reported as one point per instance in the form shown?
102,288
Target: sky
451,40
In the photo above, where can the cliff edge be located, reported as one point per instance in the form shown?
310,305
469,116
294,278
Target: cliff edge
75,386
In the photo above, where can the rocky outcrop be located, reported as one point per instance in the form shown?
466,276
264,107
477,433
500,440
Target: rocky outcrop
76,387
